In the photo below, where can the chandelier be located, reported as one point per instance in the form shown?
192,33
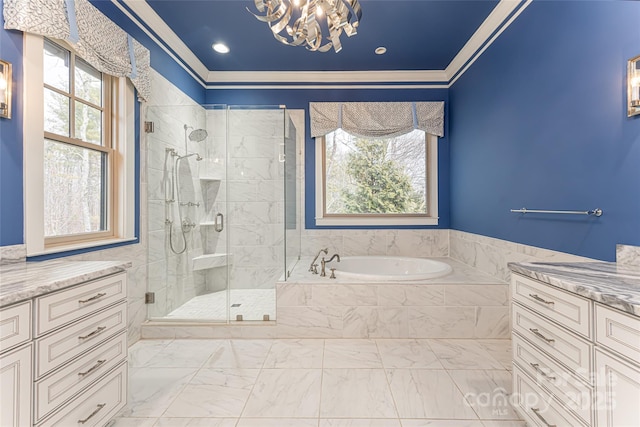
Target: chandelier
296,22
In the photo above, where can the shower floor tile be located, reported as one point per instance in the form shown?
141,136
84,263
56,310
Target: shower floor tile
252,304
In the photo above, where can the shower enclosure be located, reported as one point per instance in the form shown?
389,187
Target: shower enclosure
223,210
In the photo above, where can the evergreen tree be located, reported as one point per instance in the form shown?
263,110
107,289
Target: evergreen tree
379,184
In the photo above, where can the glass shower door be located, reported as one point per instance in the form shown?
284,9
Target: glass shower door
255,198
187,272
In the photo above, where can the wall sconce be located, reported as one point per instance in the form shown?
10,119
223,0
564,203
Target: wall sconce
633,86
5,89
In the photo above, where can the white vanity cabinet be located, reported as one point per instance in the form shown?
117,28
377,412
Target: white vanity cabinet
576,361
64,356
617,361
15,365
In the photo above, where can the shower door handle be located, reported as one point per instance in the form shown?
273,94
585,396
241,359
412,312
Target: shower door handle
218,226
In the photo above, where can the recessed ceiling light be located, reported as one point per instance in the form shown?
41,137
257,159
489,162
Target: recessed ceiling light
381,50
220,48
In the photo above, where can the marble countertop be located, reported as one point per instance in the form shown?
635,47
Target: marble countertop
611,284
26,280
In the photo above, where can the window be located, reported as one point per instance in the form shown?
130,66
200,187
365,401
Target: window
79,152
376,181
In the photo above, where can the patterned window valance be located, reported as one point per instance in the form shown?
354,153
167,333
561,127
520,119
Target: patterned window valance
93,36
376,119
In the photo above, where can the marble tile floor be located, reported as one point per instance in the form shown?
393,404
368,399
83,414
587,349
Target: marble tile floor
319,383
252,304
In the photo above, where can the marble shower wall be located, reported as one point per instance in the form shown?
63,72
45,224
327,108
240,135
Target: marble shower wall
491,255
171,276
255,197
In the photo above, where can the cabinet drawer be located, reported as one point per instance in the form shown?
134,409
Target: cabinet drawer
60,308
15,325
571,311
568,349
575,395
537,407
97,405
58,387
618,331
55,349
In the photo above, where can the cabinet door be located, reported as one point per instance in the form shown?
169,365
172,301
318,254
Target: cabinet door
617,391
15,388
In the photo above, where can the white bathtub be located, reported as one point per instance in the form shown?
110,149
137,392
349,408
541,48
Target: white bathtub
388,268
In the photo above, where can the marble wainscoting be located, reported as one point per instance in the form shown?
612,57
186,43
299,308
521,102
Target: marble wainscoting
414,243
491,256
13,254
628,255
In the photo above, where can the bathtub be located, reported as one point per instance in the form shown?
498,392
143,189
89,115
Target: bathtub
388,268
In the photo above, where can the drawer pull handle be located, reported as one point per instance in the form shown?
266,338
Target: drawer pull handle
93,298
542,300
536,412
93,368
539,335
94,333
541,372
100,406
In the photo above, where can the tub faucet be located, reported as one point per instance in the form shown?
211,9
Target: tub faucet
313,269
323,263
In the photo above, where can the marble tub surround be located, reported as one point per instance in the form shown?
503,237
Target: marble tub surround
611,284
491,255
27,280
628,255
12,254
462,304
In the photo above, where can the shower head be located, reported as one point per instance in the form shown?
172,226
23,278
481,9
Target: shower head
196,135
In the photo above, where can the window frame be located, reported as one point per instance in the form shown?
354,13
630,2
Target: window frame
108,111
430,218
118,142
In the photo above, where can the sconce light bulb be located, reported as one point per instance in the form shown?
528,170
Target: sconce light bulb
3,82
635,82
319,11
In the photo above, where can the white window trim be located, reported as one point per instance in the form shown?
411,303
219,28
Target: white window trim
33,136
432,194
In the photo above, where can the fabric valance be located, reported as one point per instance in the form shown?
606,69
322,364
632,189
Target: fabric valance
93,36
376,119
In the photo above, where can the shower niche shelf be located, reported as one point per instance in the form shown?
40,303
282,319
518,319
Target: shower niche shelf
207,261
210,178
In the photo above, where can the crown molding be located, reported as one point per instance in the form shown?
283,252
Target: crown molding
496,22
167,37
345,86
480,40
418,76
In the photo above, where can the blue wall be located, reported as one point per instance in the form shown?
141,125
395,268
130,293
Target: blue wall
11,183
11,139
300,98
539,121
